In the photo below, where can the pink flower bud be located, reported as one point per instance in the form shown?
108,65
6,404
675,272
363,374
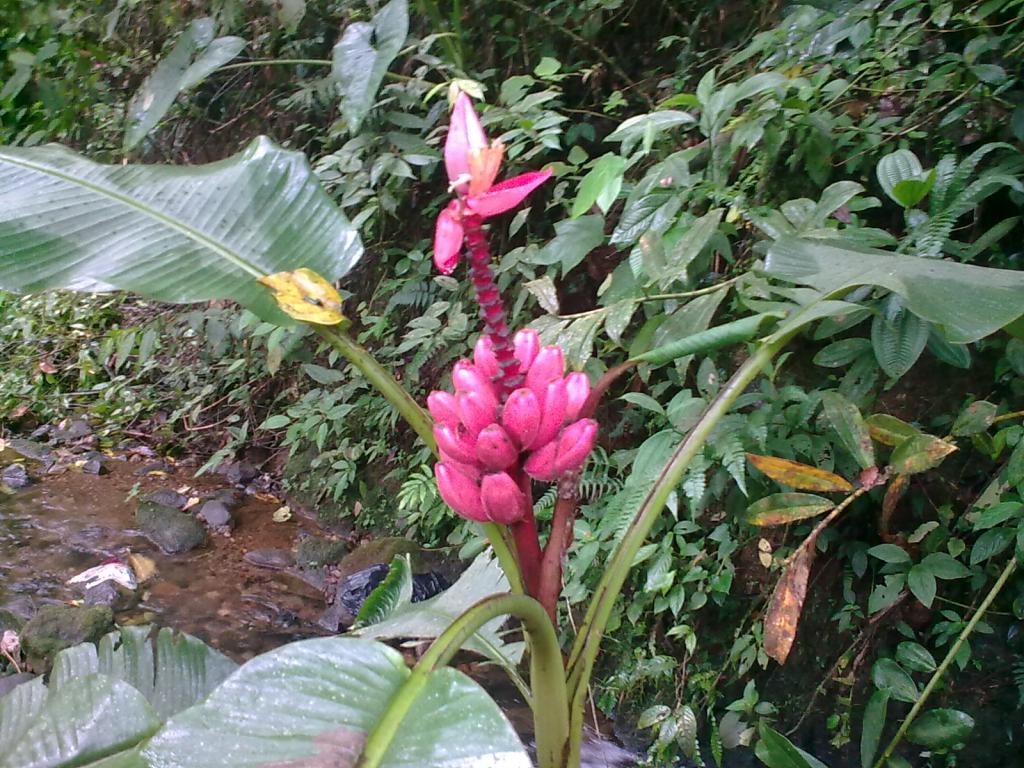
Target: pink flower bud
494,448
444,408
477,410
552,413
547,366
540,465
471,471
521,416
448,235
503,501
484,359
461,493
575,442
526,344
455,443
577,390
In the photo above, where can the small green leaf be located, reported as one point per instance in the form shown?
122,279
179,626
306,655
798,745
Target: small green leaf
901,165
393,591
889,553
898,338
990,544
841,353
600,186
941,728
888,430
942,566
874,724
922,585
998,514
276,421
850,426
889,676
780,508
776,751
915,656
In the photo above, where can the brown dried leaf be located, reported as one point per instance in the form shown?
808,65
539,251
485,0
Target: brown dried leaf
919,454
893,494
780,508
800,476
787,604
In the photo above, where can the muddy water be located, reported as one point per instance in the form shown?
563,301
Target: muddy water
72,521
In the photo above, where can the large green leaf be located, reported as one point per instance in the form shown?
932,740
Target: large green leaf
965,301
77,723
363,55
177,234
313,702
428,619
193,58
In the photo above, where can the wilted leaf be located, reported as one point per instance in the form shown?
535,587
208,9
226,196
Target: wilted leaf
919,454
782,508
783,615
801,476
850,426
893,494
888,430
306,296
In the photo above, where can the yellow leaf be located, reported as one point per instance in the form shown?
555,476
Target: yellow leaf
800,476
144,567
306,296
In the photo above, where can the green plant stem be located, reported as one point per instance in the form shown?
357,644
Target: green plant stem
550,707
588,641
658,297
276,62
384,382
954,649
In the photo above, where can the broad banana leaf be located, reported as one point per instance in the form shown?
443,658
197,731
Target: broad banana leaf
173,233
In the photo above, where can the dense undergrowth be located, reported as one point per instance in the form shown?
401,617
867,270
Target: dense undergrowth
684,136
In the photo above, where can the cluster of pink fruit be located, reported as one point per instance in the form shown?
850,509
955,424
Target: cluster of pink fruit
489,448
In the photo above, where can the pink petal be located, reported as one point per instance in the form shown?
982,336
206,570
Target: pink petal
459,492
472,471
494,448
506,195
447,240
526,343
484,359
541,463
521,416
577,387
455,443
477,410
575,442
552,413
444,408
465,134
502,499
547,366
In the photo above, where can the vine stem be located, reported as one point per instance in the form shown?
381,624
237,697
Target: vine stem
384,382
588,641
550,701
954,649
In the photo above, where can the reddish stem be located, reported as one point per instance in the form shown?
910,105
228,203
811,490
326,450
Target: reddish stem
528,542
492,308
558,543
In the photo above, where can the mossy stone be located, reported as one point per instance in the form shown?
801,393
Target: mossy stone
56,627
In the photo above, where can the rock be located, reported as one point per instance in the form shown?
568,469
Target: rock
169,529
15,476
111,594
379,551
240,472
167,497
56,627
31,450
315,551
74,430
143,567
229,497
216,514
274,559
9,683
155,468
95,467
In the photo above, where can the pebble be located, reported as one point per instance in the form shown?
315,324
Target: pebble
274,559
16,476
167,497
216,514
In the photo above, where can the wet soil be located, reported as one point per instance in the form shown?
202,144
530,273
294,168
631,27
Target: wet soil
73,521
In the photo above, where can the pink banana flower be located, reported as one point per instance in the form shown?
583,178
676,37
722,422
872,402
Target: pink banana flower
485,445
473,164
